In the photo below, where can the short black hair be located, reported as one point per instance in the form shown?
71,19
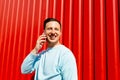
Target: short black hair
50,19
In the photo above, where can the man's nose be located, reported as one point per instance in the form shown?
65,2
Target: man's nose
53,31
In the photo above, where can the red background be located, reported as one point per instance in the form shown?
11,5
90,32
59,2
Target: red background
90,29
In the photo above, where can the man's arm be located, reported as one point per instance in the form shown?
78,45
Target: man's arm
29,63
69,67
30,60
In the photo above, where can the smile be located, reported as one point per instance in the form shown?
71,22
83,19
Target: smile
52,36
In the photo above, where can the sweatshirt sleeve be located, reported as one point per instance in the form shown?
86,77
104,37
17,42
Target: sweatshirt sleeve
69,67
28,64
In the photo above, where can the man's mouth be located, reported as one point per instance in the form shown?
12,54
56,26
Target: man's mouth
52,36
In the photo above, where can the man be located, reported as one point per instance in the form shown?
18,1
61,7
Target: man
57,62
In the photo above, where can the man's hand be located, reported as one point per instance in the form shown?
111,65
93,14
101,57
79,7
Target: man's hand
40,41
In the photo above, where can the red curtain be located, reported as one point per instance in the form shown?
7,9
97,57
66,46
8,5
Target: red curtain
90,28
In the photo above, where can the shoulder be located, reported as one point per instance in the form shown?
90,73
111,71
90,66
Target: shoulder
66,50
66,53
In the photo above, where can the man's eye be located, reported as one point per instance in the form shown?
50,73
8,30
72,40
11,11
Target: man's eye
56,29
48,28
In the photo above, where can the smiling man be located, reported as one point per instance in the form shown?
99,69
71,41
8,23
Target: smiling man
57,62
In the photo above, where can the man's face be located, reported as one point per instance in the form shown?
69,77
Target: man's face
53,32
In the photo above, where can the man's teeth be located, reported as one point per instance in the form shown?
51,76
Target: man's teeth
55,34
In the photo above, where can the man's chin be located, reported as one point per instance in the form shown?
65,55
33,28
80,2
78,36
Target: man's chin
52,41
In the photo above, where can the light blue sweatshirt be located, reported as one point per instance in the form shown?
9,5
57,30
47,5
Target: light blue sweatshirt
57,63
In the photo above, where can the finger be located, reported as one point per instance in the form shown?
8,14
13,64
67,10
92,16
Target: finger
41,41
42,36
43,33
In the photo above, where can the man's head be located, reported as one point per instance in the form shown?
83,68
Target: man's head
52,29
51,19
